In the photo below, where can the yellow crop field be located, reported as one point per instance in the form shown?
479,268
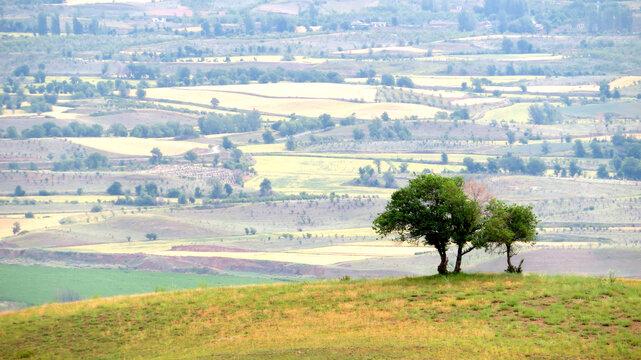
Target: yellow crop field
39,221
137,146
625,82
295,174
517,112
287,106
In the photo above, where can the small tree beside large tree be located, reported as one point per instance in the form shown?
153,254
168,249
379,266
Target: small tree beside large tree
505,226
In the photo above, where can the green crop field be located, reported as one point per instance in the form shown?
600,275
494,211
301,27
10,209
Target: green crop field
455,317
34,285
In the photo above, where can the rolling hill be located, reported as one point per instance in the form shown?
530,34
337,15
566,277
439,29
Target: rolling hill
456,317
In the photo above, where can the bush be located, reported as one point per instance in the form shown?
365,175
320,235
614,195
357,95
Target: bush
29,215
115,189
96,208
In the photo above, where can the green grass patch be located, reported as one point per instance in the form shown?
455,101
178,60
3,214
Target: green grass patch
35,285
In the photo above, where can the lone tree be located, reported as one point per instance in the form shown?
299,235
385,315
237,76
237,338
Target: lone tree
115,189
16,228
156,156
504,227
265,187
433,210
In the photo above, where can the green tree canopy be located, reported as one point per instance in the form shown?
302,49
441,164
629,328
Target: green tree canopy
505,226
435,211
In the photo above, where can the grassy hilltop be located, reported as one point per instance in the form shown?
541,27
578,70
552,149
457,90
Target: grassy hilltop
459,316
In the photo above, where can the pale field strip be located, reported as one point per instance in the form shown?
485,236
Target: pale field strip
496,57
625,81
384,49
547,89
438,93
287,106
262,148
500,37
253,59
479,101
608,228
58,112
302,90
199,108
396,157
138,146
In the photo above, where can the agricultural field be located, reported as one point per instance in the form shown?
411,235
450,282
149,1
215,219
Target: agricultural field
47,285
338,101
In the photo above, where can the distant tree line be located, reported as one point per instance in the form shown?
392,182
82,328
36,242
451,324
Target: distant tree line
76,129
184,76
298,125
215,123
507,163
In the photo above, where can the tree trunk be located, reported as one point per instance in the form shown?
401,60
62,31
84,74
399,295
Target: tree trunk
508,252
459,258
442,267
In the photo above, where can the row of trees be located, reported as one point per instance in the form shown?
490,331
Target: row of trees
436,211
507,163
184,76
215,123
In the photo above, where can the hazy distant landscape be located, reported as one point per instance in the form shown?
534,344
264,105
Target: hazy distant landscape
150,146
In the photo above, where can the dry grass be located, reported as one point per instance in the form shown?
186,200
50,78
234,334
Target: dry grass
456,317
39,221
625,81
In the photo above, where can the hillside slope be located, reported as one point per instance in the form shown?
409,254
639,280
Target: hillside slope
460,317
